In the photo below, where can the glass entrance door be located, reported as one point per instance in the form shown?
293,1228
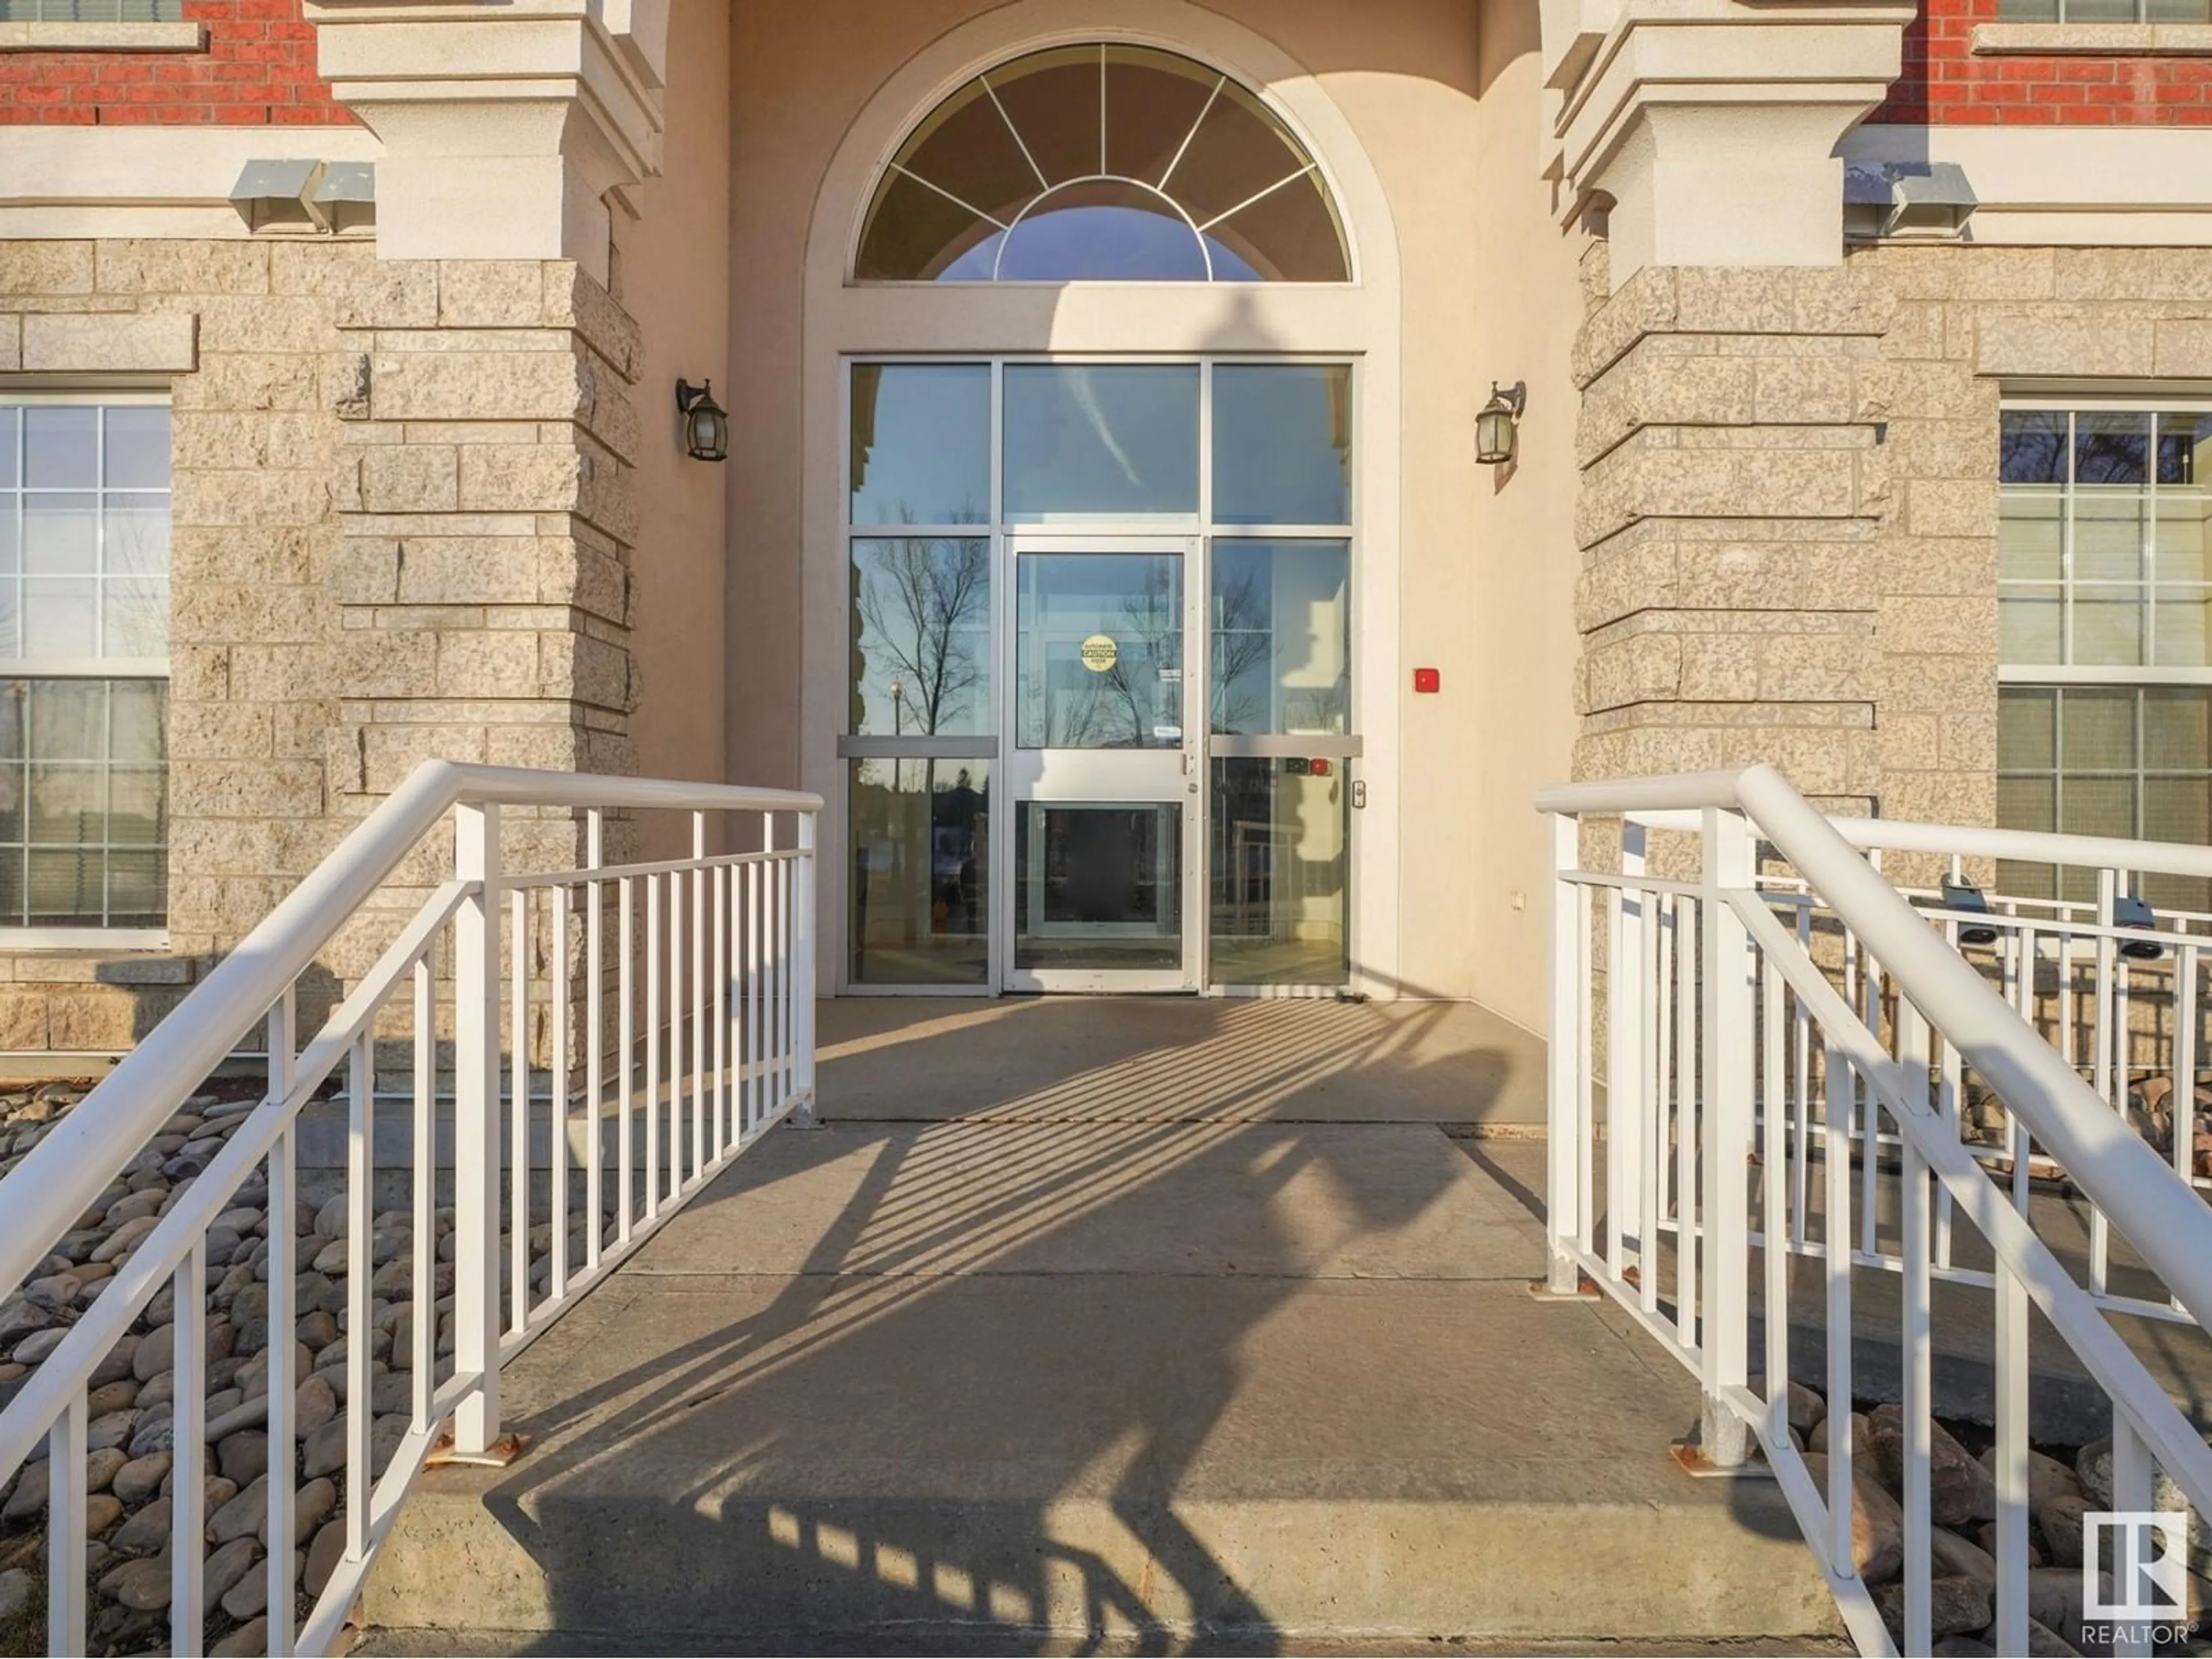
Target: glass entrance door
1104,767
1101,731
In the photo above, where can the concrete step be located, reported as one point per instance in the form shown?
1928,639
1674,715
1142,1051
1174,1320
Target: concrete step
926,1388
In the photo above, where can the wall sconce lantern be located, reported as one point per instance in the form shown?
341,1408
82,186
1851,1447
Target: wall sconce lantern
1495,427
706,424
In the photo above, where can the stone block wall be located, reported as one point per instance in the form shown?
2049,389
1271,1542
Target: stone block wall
401,528
1789,511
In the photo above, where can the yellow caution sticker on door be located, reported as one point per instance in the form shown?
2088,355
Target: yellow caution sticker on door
1100,653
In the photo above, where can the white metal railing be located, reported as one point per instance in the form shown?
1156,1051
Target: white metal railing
1783,1056
614,1034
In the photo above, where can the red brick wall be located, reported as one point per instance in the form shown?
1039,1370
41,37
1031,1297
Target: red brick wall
258,69
1945,84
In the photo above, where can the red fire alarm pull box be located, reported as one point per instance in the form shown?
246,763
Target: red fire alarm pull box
1428,679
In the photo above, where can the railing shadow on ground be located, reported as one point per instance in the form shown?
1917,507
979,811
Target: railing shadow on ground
893,1316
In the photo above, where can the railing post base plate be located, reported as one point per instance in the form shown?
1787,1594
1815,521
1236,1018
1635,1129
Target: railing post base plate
805,1115
1690,1457
497,1455
1585,1290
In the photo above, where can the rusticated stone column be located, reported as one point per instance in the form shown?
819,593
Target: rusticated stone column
483,584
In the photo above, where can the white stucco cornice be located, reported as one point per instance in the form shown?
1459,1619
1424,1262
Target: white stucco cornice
505,127
1709,127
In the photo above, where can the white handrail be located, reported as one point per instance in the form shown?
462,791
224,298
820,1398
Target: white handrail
1757,1025
533,943
65,1172
2167,1223
2164,858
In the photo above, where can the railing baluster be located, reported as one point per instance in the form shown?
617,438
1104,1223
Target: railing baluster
423,1172
803,965
2011,1459
66,1507
1774,1176
756,1053
1617,999
188,1454
595,992
360,1257
2133,1491
626,1047
517,1128
676,885
283,1196
1564,1154
1651,1104
1837,1272
1585,1079
1688,1239
475,1132
654,967
556,1117
699,996
1802,1093
722,1134
2022,1152
1919,1395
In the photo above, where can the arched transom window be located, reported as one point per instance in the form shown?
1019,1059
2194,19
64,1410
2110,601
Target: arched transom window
1103,163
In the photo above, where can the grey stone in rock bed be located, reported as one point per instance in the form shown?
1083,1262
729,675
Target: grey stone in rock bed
28,1500
16,1586
36,1346
223,1568
250,1638
101,1511
318,1329
55,1291
145,1533
183,1167
313,1404
133,1207
79,1246
156,1432
243,1456
249,1597
100,1468
122,1361
242,1516
112,1430
110,1397
311,1504
141,1477
141,1586
239,1219
20,1318
160,1391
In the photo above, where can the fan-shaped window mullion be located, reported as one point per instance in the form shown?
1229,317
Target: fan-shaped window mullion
1101,163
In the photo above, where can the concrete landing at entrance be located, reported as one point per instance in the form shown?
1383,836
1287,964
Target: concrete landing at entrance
1100,1381
1177,1058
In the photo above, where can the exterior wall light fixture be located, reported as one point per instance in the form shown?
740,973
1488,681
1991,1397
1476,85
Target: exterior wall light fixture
1495,426
706,424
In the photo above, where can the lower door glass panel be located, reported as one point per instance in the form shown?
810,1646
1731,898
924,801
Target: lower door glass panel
1280,872
921,872
1098,886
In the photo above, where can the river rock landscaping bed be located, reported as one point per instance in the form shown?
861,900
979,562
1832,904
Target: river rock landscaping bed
2064,1482
130,1406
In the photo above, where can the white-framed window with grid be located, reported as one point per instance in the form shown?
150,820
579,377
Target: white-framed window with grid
2104,603
84,669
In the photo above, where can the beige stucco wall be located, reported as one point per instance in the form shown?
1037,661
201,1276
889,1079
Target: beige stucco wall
673,262
1520,558
1405,75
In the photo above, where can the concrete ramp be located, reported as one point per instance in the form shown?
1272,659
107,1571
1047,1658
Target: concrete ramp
1107,1383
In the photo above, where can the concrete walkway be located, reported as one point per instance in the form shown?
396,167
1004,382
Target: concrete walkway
1089,1325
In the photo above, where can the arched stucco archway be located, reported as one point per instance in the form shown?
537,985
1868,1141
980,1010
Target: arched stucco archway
1359,319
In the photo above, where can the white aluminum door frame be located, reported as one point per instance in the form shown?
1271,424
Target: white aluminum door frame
1104,777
